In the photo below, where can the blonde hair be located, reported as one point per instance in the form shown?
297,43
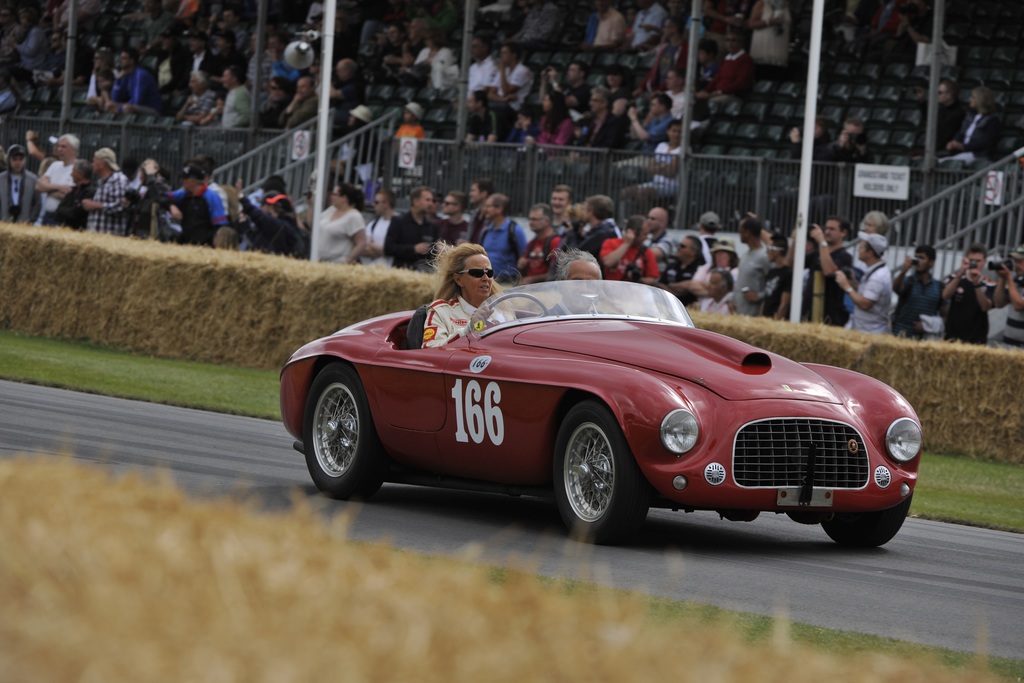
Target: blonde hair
447,263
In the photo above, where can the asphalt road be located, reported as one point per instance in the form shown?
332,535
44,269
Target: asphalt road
938,584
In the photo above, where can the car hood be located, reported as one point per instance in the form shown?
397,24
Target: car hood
732,369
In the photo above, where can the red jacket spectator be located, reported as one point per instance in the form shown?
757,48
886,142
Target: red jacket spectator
735,75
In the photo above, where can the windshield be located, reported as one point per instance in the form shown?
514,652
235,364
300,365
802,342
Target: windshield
579,299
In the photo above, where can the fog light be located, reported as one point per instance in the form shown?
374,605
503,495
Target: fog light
904,489
679,482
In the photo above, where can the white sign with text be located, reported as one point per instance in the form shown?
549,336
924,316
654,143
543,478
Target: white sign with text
881,182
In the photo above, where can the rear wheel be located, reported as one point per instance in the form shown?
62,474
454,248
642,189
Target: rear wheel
867,529
601,493
343,453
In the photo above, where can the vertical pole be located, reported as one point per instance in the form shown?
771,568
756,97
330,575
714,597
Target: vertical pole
323,125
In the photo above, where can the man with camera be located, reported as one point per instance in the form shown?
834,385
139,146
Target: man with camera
1008,291
970,297
628,258
919,293
851,146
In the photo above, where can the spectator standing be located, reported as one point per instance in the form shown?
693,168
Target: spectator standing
598,213
503,238
200,107
377,229
770,22
412,235
106,209
727,16
708,225
1008,292
735,75
752,275
346,93
778,284
920,294
58,179
342,229
719,293
628,258
201,56
453,227
661,245
70,211
135,91
19,198
173,63
606,28
872,298
237,102
822,139
560,201
536,263
979,132
970,297
950,113
483,71
201,208
274,227
479,190
829,258
303,106
680,271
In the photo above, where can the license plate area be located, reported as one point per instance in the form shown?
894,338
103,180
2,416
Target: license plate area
789,496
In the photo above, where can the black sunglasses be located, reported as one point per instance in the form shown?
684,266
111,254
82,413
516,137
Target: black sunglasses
478,272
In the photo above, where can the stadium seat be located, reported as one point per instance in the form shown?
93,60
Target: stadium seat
1004,56
838,93
883,116
863,93
869,73
858,112
878,137
889,94
981,34
902,140
896,72
782,112
791,91
753,111
978,55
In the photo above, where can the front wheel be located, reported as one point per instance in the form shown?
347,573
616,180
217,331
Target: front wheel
343,452
601,494
867,529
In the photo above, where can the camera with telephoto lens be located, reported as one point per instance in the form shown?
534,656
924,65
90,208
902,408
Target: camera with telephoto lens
915,261
632,273
995,265
860,139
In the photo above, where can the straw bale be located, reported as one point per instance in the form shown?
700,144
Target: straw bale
142,584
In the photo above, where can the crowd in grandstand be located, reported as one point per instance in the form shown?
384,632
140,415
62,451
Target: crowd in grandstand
622,88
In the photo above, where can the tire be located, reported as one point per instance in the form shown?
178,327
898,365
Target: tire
601,494
343,453
867,529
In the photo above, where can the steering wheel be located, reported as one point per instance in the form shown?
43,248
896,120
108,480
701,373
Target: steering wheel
477,325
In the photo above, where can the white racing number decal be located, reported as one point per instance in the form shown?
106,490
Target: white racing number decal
477,412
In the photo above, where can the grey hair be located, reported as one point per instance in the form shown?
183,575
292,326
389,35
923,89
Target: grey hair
72,140
84,168
564,259
879,220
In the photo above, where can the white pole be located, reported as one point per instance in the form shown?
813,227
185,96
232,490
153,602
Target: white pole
323,123
806,163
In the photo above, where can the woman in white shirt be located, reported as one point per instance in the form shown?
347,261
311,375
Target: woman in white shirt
342,230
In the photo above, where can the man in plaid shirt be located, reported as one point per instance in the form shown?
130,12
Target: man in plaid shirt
106,208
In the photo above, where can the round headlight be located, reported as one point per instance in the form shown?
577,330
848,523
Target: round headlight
679,431
903,439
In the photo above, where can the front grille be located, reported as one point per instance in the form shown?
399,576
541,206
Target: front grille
774,453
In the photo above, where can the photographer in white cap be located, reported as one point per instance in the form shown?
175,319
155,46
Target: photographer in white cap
872,297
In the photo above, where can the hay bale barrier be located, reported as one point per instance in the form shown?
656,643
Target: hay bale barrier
253,310
144,584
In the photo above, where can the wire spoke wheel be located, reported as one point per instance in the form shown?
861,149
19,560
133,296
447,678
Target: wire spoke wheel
589,472
336,430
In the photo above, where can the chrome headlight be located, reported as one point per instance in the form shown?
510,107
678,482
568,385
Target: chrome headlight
679,431
903,439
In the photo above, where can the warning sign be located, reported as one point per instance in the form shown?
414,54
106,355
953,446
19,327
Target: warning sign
407,152
300,144
994,188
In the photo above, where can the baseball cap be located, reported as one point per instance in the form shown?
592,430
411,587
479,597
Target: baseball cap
194,172
878,243
15,150
724,244
107,156
1017,252
416,109
710,219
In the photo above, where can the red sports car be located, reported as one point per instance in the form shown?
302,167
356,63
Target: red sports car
605,396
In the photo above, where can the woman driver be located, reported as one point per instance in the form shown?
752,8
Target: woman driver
464,280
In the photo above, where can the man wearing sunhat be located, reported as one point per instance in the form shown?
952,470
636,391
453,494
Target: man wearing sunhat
1009,291
202,211
19,200
106,209
872,298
